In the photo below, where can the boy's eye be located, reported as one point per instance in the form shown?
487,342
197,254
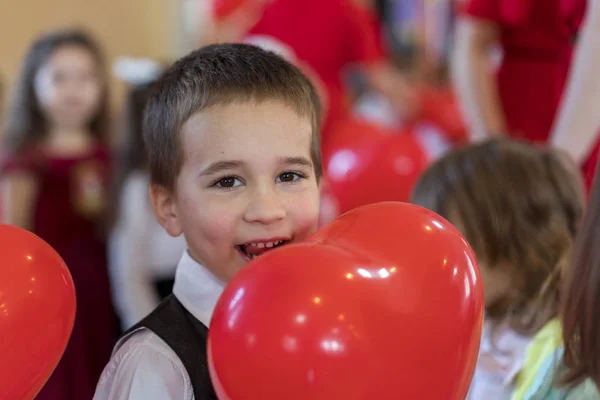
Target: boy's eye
288,177
228,182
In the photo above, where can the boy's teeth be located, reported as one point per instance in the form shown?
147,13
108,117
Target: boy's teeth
262,245
255,249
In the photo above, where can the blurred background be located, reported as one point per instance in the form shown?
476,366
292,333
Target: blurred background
150,29
75,75
74,78
164,30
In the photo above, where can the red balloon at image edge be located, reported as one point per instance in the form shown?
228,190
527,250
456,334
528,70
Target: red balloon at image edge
37,312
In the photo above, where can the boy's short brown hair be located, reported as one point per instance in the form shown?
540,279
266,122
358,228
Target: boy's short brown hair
219,75
518,206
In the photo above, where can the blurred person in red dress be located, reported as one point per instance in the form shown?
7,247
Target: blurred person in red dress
328,36
54,178
534,41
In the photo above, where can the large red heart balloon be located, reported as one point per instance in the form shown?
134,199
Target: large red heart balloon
392,226
366,164
348,317
37,312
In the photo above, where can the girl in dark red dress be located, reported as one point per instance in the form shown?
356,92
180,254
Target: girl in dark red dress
536,39
54,182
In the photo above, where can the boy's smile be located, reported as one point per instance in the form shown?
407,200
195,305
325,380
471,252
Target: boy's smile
255,248
247,184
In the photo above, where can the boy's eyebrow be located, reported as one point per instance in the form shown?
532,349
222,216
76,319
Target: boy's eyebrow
296,161
220,166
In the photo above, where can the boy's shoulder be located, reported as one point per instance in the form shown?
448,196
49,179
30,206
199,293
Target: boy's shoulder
162,357
142,341
144,366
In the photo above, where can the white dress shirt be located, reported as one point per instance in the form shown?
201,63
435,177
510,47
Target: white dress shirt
140,252
143,366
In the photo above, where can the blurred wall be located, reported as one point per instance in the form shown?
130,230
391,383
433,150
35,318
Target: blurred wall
140,28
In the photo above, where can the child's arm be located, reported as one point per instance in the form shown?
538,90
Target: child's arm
365,47
577,123
132,287
144,372
473,79
19,190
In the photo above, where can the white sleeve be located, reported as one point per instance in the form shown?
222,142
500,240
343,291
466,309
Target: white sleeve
145,373
133,290
578,120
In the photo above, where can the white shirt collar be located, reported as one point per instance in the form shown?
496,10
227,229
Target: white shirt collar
196,288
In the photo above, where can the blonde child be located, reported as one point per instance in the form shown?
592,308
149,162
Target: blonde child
519,207
563,360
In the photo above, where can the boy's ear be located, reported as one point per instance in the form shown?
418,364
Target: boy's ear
165,209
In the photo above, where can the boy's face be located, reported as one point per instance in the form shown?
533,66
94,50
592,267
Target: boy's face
247,184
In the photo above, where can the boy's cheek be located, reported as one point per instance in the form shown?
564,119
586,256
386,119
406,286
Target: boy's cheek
305,212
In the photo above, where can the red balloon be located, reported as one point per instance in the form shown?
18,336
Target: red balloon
37,312
356,136
382,231
440,107
345,316
366,164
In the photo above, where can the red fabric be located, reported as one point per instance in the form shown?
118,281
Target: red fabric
327,35
375,25
590,165
224,8
537,38
74,234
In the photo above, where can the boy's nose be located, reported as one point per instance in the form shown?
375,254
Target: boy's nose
265,208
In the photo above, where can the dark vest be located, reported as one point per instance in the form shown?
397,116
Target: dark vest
186,336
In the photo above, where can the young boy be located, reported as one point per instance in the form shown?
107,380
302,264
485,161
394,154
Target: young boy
232,134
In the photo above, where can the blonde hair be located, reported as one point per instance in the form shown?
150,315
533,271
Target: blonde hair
520,208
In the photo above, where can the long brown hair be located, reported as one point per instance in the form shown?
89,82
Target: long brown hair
580,311
26,122
519,208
